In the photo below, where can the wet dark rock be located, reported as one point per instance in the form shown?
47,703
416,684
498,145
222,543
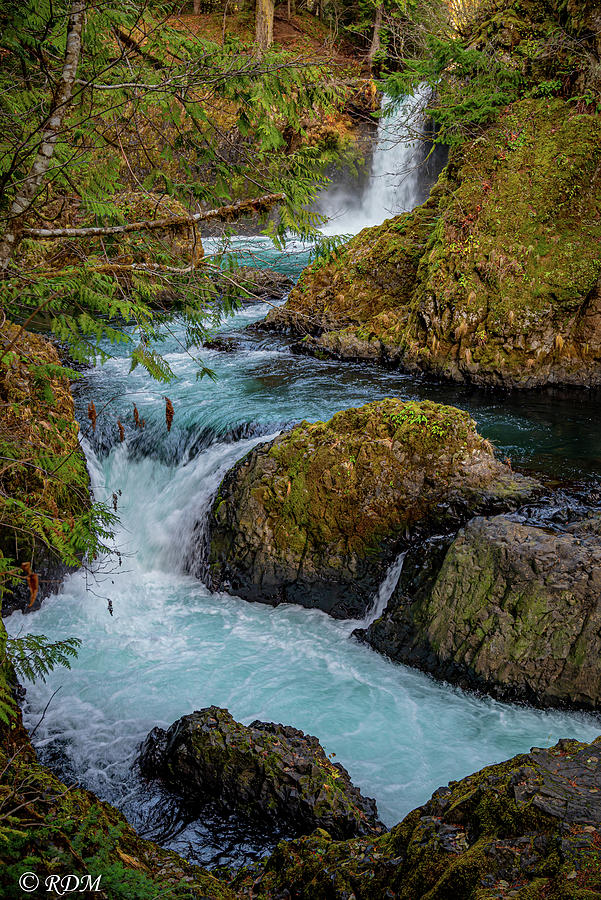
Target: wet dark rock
529,827
265,772
224,344
510,608
315,516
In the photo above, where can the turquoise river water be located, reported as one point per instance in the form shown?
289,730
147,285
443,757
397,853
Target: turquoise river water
172,646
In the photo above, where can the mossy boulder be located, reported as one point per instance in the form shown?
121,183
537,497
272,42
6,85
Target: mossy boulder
528,828
315,516
44,466
513,609
496,280
267,773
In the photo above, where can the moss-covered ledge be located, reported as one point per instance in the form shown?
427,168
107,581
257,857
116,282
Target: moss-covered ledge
528,828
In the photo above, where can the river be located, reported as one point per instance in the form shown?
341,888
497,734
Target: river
171,646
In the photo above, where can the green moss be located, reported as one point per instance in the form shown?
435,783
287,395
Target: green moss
491,278
347,457
472,834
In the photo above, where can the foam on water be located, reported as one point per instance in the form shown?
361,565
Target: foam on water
172,646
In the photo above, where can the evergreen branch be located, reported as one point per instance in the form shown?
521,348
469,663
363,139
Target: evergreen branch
228,213
33,656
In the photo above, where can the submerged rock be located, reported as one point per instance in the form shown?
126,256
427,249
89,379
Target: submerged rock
315,516
266,772
528,828
513,609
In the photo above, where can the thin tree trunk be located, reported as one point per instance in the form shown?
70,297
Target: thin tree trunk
375,41
264,24
197,7
224,24
49,138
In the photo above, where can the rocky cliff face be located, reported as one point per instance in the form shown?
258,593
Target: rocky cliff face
269,774
314,516
512,609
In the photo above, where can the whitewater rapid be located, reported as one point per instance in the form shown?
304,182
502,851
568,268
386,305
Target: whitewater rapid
172,646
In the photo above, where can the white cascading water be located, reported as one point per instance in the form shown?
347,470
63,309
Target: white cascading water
385,591
171,645
393,186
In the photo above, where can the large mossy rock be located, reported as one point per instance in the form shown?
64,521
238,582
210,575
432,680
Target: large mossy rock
513,609
495,280
315,516
529,829
270,774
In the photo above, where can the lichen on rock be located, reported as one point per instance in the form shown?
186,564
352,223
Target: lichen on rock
512,608
314,516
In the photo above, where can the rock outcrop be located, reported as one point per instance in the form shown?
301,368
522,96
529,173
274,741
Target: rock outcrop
315,516
529,828
512,609
496,280
268,773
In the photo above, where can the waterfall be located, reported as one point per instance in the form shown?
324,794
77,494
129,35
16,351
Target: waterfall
396,182
391,579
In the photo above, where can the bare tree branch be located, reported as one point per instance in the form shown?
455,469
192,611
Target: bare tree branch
222,213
